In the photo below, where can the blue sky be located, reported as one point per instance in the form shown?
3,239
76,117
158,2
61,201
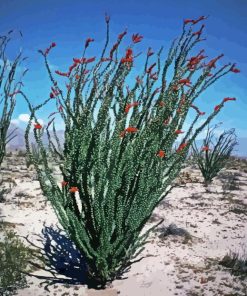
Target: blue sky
70,23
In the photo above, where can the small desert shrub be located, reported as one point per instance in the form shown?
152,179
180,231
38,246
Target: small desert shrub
230,183
237,264
21,153
13,260
215,153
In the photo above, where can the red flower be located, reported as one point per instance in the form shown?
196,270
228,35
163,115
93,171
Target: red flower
179,132
131,129
53,44
126,60
113,49
150,52
37,126
235,70
72,67
64,183
184,81
198,33
199,19
186,21
73,189
52,95
131,105
150,68
136,38
77,61
229,99
90,60
213,61
128,56
61,74
88,41
202,113
205,148
161,153
217,107
120,36
209,74
129,53
181,147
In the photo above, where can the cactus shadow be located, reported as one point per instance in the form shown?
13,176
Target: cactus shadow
63,260
63,256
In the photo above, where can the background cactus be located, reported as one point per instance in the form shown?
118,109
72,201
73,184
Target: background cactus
116,173
9,88
215,153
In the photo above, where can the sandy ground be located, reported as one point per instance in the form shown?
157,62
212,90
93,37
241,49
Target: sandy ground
173,264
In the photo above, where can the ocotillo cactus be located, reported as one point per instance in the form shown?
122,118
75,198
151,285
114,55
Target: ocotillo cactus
214,154
9,88
115,174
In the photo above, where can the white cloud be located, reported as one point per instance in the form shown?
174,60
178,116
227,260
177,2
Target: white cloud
40,121
24,117
15,121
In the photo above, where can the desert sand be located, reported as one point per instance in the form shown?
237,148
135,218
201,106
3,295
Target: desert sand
183,259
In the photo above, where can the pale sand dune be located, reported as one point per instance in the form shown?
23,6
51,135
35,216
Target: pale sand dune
173,265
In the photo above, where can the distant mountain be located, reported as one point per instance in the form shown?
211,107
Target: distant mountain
19,141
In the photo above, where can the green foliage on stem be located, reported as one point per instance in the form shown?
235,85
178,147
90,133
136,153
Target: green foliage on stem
118,179
211,161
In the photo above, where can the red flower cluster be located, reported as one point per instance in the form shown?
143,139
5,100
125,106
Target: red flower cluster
229,99
88,41
205,148
161,153
131,105
136,38
186,21
181,147
73,189
211,63
234,70
198,33
49,48
149,70
62,73
121,35
128,130
195,60
128,56
54,93
179,132
37,126
185,81
150,52
216,108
